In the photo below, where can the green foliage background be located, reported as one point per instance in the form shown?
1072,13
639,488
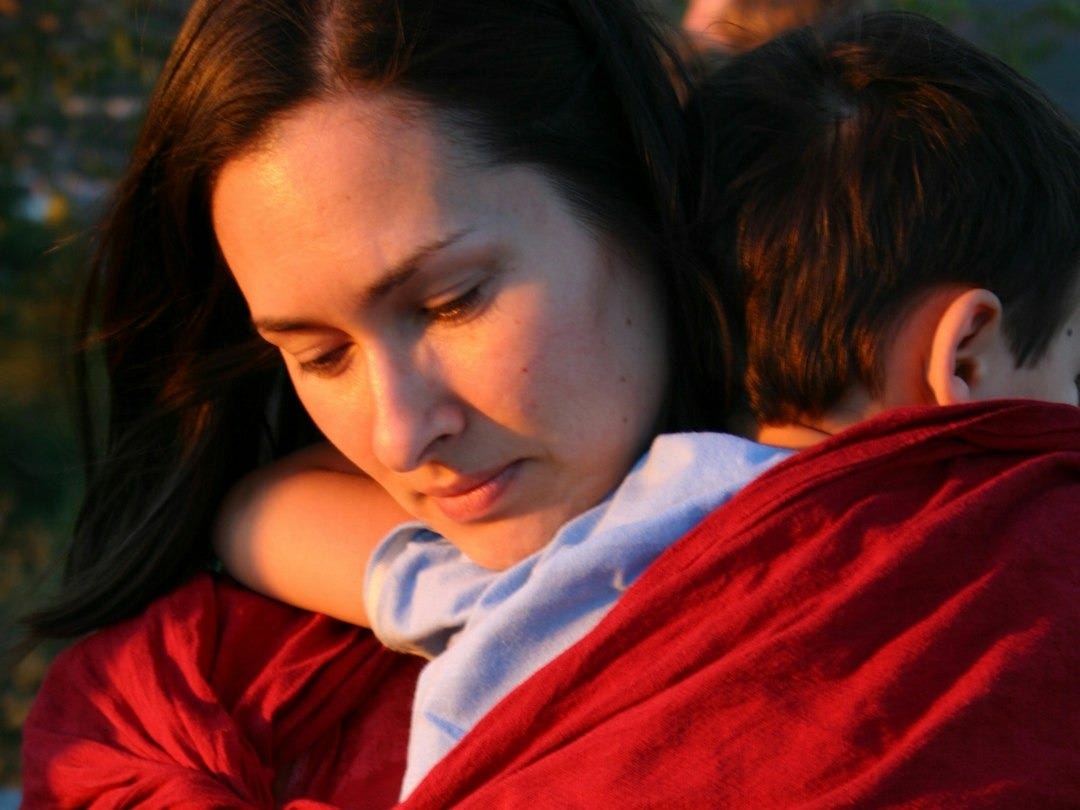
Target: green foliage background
74,75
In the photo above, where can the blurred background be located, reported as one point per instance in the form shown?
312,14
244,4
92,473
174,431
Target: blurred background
74,77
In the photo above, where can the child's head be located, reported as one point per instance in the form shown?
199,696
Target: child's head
893,212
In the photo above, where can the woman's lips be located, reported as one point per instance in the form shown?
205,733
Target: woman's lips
475,498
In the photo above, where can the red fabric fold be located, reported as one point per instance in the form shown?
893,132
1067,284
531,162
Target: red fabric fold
891,619
216,697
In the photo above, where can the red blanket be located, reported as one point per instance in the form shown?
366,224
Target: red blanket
887,620
218,698
892,619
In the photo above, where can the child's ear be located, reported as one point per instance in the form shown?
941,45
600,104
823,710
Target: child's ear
966,347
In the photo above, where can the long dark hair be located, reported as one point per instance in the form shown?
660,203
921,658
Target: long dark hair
586,90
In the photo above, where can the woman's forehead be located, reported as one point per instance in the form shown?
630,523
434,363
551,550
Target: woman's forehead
361,115
341,190
328,153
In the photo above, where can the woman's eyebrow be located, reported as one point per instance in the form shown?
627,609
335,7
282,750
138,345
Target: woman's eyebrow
283,325
407,267
391,280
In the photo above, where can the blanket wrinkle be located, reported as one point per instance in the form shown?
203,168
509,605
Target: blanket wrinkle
889,619
216,697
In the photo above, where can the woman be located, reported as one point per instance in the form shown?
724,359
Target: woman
535,160
750,663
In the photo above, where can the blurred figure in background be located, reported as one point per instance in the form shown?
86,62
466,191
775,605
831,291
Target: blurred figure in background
739,25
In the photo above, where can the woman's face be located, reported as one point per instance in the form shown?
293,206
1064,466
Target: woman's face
454,329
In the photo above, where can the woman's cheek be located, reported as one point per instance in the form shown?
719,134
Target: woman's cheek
338,417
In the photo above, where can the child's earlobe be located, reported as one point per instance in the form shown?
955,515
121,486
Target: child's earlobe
966,347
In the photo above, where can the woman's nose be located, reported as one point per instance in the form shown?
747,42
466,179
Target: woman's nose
412,408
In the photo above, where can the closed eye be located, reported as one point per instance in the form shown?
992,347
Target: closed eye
456,309
326,364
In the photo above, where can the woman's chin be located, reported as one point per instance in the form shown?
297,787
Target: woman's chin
503,544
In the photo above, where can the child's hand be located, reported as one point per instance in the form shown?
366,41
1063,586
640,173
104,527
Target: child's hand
302,530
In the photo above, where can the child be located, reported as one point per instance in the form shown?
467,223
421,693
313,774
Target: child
893,215
896,214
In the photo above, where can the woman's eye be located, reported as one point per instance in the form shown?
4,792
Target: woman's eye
456,309
326,364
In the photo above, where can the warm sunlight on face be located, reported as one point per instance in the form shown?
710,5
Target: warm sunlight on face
452,328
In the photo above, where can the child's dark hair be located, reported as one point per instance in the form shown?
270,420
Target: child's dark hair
851,168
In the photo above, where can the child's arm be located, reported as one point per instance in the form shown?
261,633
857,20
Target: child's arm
302,530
